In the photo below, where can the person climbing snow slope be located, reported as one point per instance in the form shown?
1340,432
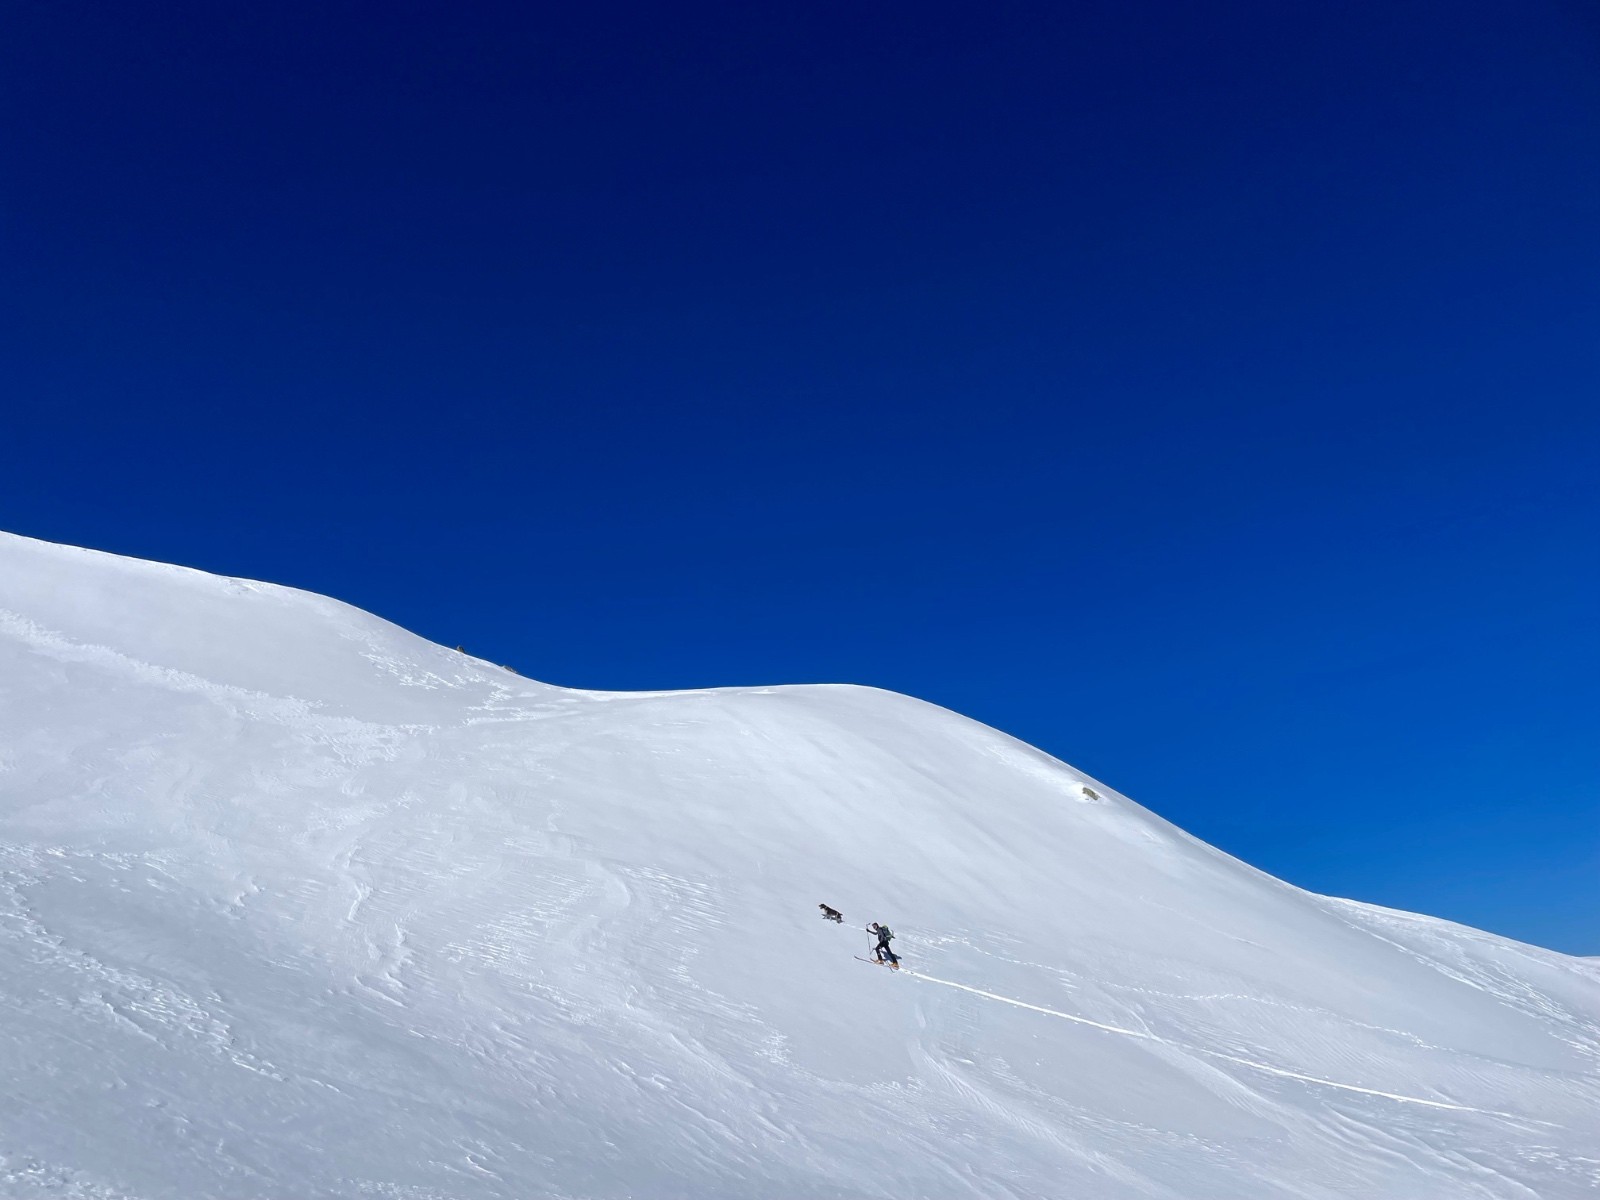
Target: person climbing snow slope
881,951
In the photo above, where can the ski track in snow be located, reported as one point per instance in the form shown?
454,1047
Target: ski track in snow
1244,1062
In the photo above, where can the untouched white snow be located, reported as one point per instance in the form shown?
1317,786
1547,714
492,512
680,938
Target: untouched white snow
294,904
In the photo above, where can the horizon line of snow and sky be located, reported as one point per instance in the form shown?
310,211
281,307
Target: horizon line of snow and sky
1205,397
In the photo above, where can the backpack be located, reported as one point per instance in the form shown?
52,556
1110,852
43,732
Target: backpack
885,933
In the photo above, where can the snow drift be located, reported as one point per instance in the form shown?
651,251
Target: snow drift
295,904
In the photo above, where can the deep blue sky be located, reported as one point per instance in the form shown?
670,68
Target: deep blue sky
1206,393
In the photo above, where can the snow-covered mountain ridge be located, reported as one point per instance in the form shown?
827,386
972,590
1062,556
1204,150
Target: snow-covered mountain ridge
295,904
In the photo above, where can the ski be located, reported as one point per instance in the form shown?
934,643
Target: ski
876,963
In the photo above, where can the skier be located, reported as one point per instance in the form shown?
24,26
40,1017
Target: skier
881,952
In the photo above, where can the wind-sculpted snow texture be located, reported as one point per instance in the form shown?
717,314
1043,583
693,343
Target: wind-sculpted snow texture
294,904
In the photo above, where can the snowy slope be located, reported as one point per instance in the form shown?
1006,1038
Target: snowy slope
294,904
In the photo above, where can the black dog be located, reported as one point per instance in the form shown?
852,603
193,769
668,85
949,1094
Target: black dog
831,914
